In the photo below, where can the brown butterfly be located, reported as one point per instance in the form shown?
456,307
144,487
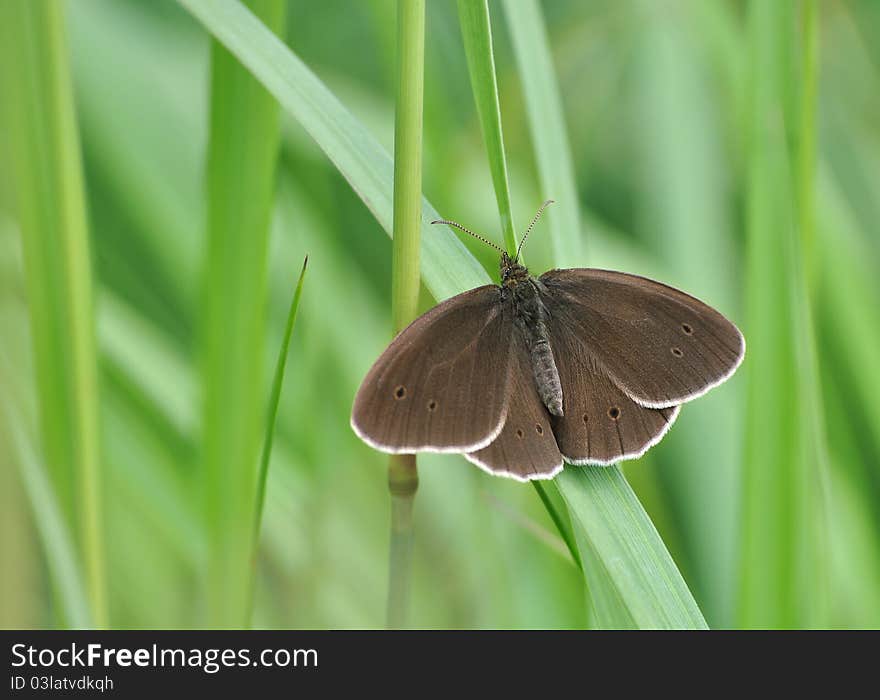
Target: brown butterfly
578,365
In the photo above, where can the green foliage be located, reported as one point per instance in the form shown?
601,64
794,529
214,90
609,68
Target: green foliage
40,128
783,571
240,177
687,158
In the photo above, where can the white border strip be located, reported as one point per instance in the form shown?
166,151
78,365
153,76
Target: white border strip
690,397
512,475
446,449
630,455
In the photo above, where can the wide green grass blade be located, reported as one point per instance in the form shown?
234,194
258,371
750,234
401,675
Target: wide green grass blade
547,128
476,32
451,270
242,153
44,153
782,575
641,585
446,267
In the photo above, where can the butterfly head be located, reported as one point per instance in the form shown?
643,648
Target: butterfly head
511,271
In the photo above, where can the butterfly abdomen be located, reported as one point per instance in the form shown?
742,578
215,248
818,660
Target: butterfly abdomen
531,316
546,375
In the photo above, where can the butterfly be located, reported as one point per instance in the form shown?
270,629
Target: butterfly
583,365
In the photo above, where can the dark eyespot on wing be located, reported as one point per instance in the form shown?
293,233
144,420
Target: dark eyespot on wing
660,346
442,383
525,449
600,423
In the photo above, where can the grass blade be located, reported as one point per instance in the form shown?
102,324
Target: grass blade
547,127
16,434
240,184
446,266
476,32
45,157
684,218
559,516
403,477
642,586
54,534
272,415
781,575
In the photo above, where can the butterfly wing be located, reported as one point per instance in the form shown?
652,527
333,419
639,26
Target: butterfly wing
658,345
442,383
600,423
525,449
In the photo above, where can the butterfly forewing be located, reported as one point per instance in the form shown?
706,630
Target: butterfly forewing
660,346
525,448
442,384
600,423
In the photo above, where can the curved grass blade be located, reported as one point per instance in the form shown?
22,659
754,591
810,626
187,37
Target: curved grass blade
277,381
447,267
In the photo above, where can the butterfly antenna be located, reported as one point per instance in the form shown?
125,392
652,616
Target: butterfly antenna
467,230
532,225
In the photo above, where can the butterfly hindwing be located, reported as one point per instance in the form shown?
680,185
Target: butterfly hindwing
525,448
442,384
600,423
660,346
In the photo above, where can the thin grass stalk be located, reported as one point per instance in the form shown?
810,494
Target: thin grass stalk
560,520
272,414
243,145
403,479
476,33
44,153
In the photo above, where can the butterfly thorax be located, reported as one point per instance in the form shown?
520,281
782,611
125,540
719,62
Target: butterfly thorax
531,317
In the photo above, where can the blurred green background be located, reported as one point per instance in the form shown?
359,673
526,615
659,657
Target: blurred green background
658,98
